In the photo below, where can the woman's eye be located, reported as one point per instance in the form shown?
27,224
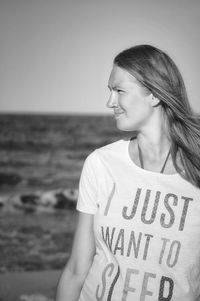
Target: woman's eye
119,91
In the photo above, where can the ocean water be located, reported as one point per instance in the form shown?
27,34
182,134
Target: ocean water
47,151
43,153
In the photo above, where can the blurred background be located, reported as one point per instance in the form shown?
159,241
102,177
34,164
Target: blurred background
55,59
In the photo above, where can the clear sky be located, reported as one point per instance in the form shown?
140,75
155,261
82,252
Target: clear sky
56,56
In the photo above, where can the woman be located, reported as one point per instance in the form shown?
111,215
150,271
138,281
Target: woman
138,235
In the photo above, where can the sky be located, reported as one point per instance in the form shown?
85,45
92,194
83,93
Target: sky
56,56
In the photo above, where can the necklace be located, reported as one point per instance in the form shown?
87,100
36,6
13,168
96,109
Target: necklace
142,163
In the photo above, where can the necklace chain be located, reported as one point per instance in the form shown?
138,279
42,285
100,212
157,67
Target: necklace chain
142,163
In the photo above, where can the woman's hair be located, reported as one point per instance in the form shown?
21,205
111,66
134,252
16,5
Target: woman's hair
156,71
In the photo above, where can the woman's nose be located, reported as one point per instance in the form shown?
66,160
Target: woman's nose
112,101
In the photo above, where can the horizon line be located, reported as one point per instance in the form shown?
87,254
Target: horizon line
53,113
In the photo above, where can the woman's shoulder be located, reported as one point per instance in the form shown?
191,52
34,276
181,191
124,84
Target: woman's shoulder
115,145
109,151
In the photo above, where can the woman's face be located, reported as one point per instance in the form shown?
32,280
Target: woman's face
130,101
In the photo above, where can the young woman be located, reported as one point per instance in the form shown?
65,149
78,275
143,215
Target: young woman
138,235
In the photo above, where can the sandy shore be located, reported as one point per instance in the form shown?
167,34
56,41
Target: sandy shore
33,286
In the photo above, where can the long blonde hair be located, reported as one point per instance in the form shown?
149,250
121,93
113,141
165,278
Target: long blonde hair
156,71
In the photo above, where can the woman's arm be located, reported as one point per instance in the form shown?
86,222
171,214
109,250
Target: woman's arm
75,271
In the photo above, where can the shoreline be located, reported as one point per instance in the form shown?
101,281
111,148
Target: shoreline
16,284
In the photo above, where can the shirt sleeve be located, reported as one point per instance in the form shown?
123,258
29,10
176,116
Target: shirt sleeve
88,188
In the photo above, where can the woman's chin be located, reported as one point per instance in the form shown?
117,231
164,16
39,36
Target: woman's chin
123,126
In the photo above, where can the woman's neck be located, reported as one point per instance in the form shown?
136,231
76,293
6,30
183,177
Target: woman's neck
155,146
153,139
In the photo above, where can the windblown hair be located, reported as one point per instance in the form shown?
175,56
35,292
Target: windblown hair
156,71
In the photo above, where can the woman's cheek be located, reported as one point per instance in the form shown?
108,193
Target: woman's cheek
124,101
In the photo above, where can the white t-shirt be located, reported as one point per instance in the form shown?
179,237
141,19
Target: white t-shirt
147,230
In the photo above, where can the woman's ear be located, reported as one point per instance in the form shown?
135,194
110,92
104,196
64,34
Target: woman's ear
155,102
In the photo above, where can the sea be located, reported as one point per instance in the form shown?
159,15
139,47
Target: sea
48,151
41,154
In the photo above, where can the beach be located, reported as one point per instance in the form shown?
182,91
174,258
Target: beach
34,249
41,158
29,286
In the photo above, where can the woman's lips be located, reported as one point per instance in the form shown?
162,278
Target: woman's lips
118,114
